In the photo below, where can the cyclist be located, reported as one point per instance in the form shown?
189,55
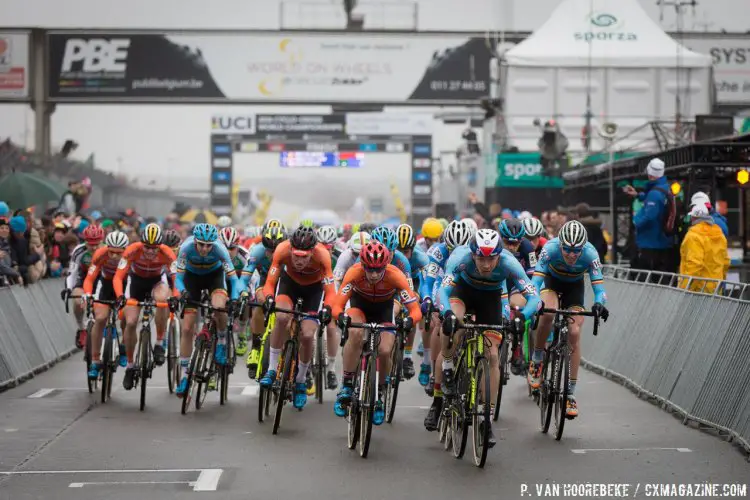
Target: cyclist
258,262
471,224
224,221
301,268
172,240
98,284
80,260
346,235
144,265
455,235
204,263
387,237
371,286
432,229
559,275
535,234
230,238
418,261
350,256
327,236
475,281
367,227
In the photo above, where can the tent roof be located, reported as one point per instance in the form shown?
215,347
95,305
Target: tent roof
602,33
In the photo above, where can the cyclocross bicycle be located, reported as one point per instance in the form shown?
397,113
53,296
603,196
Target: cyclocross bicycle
507,347
553,393
174,370
144,359
320,363
396,375
92,384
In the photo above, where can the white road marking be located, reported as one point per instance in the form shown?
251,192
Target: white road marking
208,480
40,393
11,430
586,450
251,390
108,483
100,471
414,407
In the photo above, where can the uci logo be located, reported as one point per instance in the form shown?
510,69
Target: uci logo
233,124
96,55
603,20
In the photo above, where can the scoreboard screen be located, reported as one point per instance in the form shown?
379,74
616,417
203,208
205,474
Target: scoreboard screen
294,159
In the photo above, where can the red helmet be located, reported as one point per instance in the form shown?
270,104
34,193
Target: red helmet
93,234
375,255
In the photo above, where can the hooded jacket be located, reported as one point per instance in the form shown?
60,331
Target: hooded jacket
595,234
649,221
703,255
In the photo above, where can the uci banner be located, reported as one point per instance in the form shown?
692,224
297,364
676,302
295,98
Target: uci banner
258,68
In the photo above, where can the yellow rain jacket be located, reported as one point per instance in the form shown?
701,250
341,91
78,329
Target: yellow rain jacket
703,254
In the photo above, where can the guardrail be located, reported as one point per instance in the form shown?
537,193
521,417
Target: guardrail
687,351
35,331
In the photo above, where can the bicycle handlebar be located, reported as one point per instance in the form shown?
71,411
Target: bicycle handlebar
568,312
146,303
375,327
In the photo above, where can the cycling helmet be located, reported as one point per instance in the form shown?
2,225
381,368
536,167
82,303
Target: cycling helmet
272,223
273,236
224,221
512,230
117,240
357,241
306,223
386,236
533,227
304,238
486,243
375,255
432,228
327,235
471,224
251,231
171,238
152,235
457,234
573,234
228,236
367,227
206,233
93,234
406,240
525,215
443,222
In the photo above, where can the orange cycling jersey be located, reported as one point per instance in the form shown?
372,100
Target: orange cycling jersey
101,263
394,281
318,270
135,262
249,242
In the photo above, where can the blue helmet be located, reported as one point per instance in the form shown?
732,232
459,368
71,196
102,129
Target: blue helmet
206,233
386,236
512,230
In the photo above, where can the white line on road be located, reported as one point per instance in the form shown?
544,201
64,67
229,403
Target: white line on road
586,450
101,483
100,471
11,430
40,393
208,480
251,390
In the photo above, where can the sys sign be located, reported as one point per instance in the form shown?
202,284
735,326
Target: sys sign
95,55
233,124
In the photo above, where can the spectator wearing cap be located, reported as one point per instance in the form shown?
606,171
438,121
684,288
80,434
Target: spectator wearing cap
654,246
701,198
703,253
593,225
21,252
58,254
8,274
4,210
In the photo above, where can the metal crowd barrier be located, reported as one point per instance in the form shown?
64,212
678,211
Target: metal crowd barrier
35,331
686,350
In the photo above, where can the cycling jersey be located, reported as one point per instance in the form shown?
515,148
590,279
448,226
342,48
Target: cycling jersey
190,261
422,244
102,266
438,256
80,260
348,259
552,263
526,256
317,271
461,268
418,262
540,245
257,260
239,261
136,264
251,242
393,282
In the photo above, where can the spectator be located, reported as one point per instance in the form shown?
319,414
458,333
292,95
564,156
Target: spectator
654,247
8,275
58,254
68,202
593,225
703,252
702,198
22,254
4,210
482,211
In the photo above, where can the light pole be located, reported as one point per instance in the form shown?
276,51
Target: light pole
608,132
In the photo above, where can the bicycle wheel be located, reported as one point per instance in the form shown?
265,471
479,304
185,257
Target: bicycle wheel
196,361
106,366
145,364
87,357
368,407
354,416
503,362
562,377
546,393
444,434
480,411
173,363
394,380
320,362
285,383
208,370
459,420
113,362
226,370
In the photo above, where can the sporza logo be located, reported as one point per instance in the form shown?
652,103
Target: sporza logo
95,55
604,27
518,170
603,20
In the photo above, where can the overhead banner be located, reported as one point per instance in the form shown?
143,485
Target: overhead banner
523,170
265,68
14,65
731,58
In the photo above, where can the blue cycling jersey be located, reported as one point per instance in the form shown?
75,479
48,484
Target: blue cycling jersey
438,256
461,267
189,260
552,263
257,260
418,262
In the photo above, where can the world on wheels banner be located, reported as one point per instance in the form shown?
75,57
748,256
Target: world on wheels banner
14,65
261,67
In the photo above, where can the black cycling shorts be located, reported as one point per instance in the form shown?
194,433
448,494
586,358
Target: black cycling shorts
416,282
103,289
196,283
375,312
140,288
486,305
311,295
571,293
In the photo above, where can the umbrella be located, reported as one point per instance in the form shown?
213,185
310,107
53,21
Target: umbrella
22,190
199,216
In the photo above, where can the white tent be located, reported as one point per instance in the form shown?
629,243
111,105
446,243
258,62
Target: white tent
634,69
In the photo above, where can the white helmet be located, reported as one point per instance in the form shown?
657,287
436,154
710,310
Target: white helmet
117,239
525,215
573,234
358,240
471,224
533,227
456,234
228,236
224,221
327,234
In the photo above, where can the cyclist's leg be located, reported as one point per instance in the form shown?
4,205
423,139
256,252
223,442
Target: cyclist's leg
350,358
573,298
79,312
137,289
312,300
287,292
193,286
219,298
160,293
103,291
257,329
549,297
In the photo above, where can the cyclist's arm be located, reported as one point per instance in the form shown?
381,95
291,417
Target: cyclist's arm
338,303
343,264
73,269
229,272
329,288
269,289
407,296
94,268
121,274
517,274
650,210
542,269
179,277
597,281
429,276
505,301
170,268
448,283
